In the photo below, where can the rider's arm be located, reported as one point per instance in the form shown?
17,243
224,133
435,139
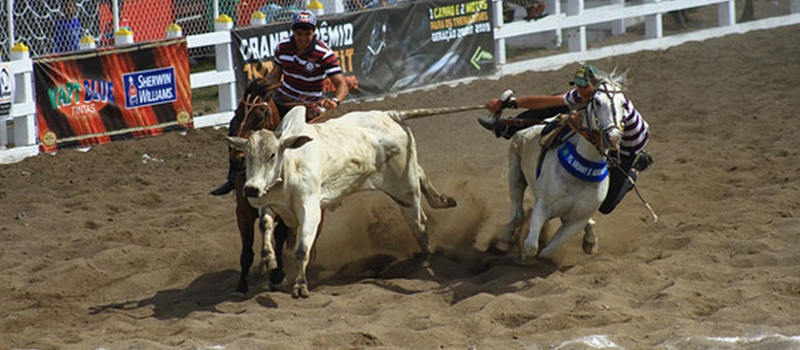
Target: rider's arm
530,102
341,89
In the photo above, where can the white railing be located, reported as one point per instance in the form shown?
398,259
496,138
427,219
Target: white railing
19,142
223,76
571,24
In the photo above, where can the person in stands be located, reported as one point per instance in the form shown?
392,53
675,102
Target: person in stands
302,63
68,28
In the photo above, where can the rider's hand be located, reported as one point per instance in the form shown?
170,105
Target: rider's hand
328,104
494,105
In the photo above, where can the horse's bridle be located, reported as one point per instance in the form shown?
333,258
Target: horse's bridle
591,131
250,103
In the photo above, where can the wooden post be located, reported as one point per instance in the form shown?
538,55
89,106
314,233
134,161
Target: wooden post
653,24
576,37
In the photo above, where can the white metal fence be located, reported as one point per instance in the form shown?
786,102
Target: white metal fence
18,130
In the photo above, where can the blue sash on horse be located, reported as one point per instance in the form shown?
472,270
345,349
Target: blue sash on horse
580,167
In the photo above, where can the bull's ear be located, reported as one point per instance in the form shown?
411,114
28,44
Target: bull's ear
295,141
237,143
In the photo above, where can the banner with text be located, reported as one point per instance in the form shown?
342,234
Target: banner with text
112,94
390,49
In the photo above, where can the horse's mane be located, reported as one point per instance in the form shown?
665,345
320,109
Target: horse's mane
258,87
613,80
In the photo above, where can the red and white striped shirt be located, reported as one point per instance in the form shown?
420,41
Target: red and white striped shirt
305,72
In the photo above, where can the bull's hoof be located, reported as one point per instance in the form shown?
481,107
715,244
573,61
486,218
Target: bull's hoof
268,265
300,291
450,201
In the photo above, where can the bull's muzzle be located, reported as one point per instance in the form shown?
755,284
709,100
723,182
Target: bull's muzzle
251,192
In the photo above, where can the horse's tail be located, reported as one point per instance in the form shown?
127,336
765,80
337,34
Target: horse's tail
427,112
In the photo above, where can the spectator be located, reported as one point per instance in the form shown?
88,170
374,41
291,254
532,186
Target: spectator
534,9
359,5
68,28
279,11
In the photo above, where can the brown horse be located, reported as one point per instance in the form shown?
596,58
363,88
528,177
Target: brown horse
256,111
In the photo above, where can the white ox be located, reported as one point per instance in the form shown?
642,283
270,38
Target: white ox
301,169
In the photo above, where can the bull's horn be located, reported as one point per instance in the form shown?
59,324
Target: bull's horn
427,112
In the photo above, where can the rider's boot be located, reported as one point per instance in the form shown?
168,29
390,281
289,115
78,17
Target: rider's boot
493,124
223,189
228,186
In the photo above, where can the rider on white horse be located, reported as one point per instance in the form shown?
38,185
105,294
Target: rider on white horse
635,136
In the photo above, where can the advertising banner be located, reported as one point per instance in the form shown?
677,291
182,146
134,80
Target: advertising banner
389,49
112,94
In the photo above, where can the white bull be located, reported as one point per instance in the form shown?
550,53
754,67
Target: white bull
301,169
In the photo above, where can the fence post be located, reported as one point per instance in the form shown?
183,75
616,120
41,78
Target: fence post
499,44
123,36
653,24
224,62
87,43
174,31
258,18
794,6
576,37
726,14
24,126
618,27
10,25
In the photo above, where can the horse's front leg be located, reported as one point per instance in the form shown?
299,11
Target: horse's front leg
564,233
516,193
306,235
539,216
245,220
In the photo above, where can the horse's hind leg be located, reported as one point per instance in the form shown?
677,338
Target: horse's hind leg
589,238
516,193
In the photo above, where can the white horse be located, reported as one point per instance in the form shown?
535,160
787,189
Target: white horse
571,180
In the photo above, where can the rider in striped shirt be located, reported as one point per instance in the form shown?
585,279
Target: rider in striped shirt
634,138
302,63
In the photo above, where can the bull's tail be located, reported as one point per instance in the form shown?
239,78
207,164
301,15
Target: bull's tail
427,112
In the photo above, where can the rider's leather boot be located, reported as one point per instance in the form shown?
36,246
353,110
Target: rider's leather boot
487,123
492,124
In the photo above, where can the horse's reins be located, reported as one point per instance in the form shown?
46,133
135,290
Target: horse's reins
248,107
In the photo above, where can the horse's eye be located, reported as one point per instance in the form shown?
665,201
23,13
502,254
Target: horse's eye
596,103
271,157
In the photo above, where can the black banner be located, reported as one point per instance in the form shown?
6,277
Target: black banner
389,49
